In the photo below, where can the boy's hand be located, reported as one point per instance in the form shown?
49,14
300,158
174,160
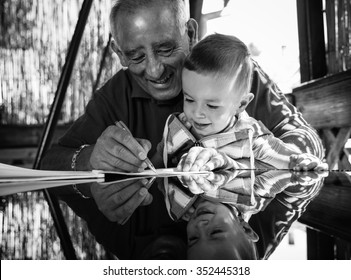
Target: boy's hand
305,161
203,183
199,159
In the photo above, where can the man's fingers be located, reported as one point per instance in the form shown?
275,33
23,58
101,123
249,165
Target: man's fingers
118,201
128,141
133,203
146,144
120,151
125,194
111,162
147,200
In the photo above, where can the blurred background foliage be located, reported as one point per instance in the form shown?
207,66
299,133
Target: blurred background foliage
34,39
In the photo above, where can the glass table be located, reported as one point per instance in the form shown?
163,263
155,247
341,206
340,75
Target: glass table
270,201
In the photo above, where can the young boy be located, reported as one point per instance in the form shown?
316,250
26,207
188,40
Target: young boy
218,208
214,131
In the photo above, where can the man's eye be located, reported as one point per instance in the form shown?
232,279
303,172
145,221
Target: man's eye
137,59
165,51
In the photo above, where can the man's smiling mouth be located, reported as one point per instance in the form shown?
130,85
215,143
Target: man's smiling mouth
161,81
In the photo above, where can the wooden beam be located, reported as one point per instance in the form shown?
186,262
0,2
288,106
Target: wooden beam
330,211
319,246
13,136
326,102
311,39
195,9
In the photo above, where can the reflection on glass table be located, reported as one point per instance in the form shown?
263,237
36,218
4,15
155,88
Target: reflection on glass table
255,208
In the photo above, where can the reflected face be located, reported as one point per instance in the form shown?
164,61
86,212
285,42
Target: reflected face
215,233
153,47
209,103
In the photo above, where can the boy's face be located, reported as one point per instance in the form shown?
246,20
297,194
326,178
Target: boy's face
210,103
215,233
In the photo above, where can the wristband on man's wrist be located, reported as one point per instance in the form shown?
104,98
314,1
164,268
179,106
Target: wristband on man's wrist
75,156
73,166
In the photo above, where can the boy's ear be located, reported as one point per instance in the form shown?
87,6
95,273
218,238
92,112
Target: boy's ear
192,29
119,53
245,101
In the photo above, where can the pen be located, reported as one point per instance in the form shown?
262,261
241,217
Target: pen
121,124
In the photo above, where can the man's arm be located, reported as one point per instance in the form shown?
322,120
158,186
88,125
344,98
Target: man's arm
271,107
113,150
60,158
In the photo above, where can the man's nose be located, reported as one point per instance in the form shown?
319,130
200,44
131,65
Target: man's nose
154,67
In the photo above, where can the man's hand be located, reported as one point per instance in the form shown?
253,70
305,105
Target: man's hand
118,201
199,158
114,150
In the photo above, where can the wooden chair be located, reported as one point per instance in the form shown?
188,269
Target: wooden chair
326,104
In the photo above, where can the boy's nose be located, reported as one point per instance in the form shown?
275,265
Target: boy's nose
199,113
202,224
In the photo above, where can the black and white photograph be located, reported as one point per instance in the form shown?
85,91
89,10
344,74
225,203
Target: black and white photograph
175,138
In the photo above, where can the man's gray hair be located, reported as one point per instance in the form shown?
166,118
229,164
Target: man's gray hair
129,7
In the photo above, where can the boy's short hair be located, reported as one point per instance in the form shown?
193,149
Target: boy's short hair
224,56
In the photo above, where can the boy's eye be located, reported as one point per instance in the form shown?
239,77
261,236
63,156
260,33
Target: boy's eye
188,100
212,106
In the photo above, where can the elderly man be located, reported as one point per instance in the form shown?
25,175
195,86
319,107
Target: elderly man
152,38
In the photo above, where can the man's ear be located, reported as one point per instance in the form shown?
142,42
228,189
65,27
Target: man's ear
245,101
119,53
192,32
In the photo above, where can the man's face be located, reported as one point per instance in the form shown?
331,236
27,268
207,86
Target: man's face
209,103
215,233
153,47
